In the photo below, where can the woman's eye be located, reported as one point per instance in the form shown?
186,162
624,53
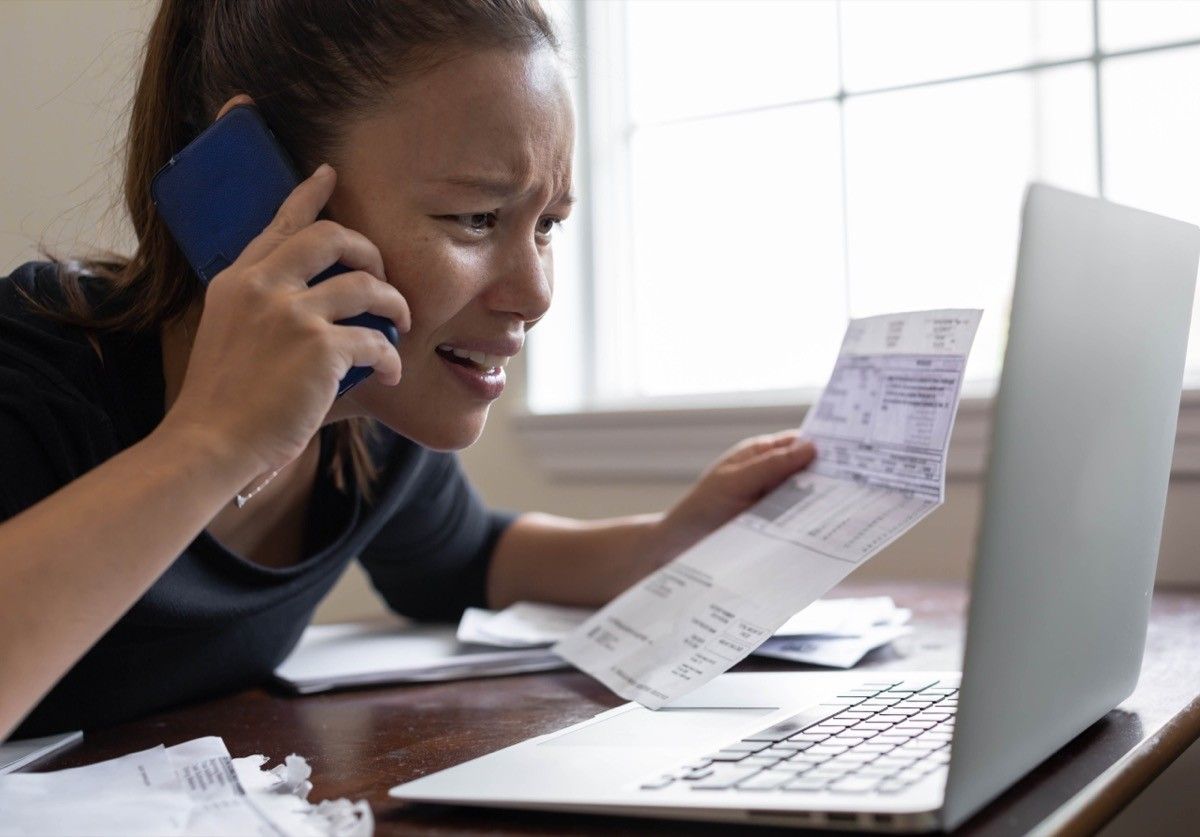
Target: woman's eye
477,222
545,226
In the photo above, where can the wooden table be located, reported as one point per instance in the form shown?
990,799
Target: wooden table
362,742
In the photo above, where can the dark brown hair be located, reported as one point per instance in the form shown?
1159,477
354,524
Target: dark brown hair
308,64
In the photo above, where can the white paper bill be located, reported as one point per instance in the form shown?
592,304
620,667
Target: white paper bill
882,431
193,788
843,617
520,625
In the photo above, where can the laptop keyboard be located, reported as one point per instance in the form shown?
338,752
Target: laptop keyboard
879,738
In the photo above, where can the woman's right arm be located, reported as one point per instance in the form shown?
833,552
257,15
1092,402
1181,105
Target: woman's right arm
261,377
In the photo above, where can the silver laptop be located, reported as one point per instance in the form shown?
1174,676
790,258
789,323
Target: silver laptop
1080,460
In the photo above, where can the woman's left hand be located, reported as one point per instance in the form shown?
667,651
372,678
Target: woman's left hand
737,480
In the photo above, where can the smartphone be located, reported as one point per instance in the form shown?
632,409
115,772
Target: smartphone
223,189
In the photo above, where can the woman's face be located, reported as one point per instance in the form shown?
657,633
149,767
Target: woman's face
460,179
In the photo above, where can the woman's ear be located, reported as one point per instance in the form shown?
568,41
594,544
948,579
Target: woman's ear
239,99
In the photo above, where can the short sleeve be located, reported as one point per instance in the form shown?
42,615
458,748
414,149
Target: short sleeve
430,560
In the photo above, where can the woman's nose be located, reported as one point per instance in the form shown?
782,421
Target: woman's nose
524,284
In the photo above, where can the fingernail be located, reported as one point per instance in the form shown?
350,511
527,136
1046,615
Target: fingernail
323,170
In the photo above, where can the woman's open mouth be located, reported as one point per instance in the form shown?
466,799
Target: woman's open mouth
481,373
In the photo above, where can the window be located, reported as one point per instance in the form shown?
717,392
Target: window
753,172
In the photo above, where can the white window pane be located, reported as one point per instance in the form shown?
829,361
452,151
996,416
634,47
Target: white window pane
892,42
554,357
1125,24
707,57
935,178
1152,141
738,252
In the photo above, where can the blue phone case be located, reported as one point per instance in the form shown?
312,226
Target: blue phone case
223,189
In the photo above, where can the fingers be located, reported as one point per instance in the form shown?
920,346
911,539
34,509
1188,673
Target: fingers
298,211
349,294
305,203
764,472
368,347
319,245
296,245
758,445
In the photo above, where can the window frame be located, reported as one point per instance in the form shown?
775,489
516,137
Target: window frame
640,437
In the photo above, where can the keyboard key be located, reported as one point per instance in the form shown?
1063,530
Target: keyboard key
872,747
850,739
778,753
935,716
826,774
794,746
855,757
660,782
698,773
890,738
809,736
853,714
826,749
909,775
834,724
894,761
760,761
875,770
767,780
747,746
804,783
854,784
795,724
727,755
875,725
724,776
801,763
891,786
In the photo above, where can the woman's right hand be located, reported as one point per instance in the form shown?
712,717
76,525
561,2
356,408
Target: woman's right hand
267,358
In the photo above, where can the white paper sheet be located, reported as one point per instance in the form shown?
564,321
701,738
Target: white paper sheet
848,617
358,654
190,789
533,624
882,430
520,625
132,795
836,651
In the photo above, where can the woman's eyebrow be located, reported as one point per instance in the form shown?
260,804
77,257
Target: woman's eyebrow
498,187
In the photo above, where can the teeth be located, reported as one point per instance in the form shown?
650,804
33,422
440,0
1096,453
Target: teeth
480,359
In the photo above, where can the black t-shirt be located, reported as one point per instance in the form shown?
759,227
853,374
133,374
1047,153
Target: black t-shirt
213,622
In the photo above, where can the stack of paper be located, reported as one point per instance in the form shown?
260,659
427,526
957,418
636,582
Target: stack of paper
829,632
193,788
333,656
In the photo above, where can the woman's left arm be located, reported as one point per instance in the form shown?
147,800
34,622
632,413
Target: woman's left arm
585,563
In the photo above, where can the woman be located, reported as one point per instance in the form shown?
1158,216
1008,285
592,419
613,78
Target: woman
135,405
